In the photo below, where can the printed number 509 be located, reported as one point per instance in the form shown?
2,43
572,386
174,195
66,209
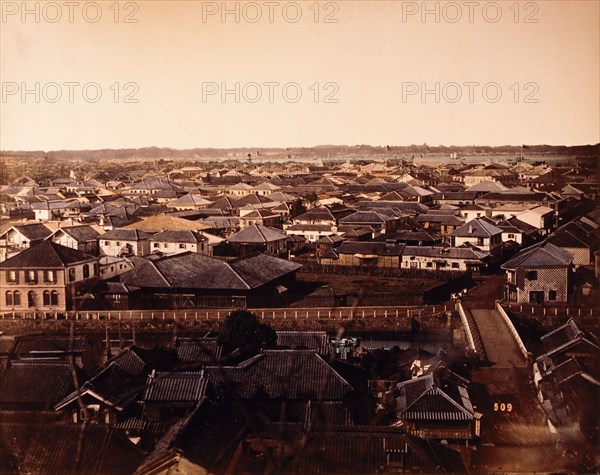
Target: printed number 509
502,407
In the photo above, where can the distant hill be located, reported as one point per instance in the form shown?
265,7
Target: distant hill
320,151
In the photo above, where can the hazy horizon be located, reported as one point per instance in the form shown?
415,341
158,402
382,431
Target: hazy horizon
212,75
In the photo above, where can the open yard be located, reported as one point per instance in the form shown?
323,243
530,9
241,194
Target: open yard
336,289
369,285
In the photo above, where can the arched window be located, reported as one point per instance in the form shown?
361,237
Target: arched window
71,274
17,298
54,298
9,298
46,298
86,271
31,297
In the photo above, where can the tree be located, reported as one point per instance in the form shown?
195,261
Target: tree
243,332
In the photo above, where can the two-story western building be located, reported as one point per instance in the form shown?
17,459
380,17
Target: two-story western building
479,233
539,274
176,242
46,277
124,242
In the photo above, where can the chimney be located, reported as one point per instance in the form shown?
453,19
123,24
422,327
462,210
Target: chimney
470,229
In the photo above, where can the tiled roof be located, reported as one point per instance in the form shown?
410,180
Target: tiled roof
363,217
543,254
259,214
317,341
196,271
66,448
566,370
46,344
364,449
80,233
41,383
258,234
33,232
198,350
171,387
290,374
178,236
423,399
125,235
443,218
564,336
44,255
477,228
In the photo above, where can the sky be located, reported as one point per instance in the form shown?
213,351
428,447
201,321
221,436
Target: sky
185,74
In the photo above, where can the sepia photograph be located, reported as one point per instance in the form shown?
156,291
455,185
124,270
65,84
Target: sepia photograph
348,237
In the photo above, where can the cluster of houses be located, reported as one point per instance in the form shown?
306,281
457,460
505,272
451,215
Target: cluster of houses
192,236
188,408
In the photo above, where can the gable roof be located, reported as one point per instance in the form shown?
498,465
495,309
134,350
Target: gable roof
564,336
258,233
33,232
46,254
83,233
289,374
477,228
422,399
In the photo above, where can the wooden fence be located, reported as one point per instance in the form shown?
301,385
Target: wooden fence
220,314
551,310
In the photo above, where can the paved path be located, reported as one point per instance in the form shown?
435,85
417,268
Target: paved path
500,346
